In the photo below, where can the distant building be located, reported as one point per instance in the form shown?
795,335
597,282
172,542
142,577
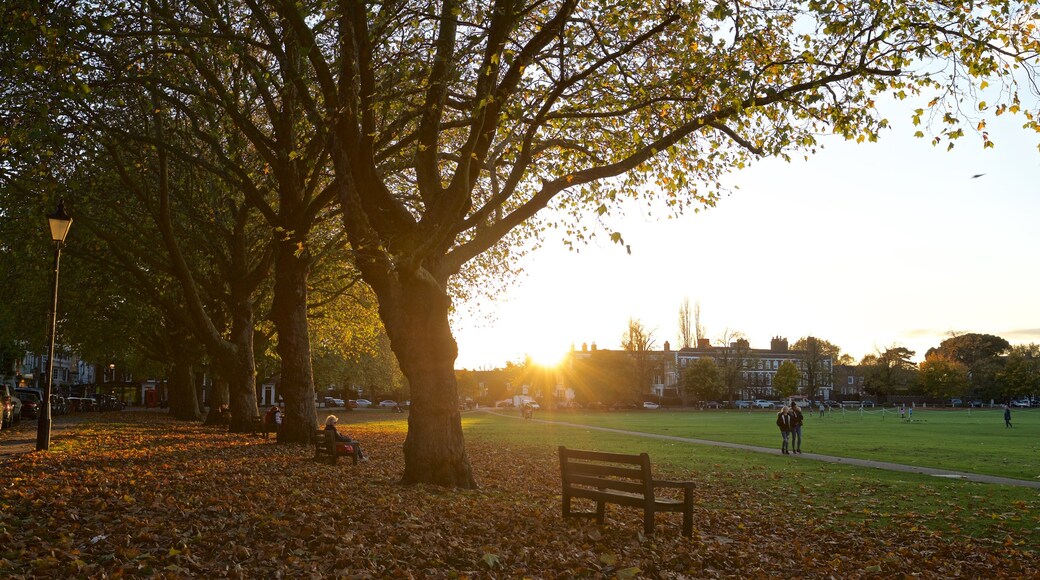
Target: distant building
757,366
848,381
599,375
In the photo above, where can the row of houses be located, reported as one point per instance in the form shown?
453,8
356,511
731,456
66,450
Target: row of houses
76,377
757,368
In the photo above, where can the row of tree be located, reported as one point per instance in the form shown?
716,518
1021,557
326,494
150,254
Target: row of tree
971,365
236,168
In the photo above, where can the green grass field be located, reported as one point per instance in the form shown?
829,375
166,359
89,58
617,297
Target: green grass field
955,440
974,441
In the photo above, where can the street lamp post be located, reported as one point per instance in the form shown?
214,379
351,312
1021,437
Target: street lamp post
59,223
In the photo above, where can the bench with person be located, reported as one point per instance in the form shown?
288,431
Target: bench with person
328,450
623,480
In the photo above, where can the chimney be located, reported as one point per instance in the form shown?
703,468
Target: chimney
778,344
593,347
584,347
667,346
703,343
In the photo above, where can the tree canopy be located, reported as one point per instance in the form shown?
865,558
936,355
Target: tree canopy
444,129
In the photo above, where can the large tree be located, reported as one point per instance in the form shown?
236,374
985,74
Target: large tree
942,376
817,357
461,121
701,380
1020,374
984,356
786,380
889,371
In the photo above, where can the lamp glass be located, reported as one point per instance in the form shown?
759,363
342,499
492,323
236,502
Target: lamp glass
60,223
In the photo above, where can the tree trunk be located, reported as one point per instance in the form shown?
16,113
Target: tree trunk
182,353
218,395
184,403
240,369
289,313
415,311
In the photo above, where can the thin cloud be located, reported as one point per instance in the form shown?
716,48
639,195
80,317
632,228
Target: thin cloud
1022,333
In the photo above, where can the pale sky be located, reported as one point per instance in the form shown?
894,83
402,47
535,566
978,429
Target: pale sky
867,246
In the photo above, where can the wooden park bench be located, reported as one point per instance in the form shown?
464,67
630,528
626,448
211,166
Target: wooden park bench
623,480
325,447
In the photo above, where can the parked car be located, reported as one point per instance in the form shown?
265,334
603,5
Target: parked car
30,403
10,407
955,402
650,405
763,404
711,405
388,403
1020,403
742,404
363,403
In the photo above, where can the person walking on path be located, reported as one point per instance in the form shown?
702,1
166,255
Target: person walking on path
796,428
783,421
1007,415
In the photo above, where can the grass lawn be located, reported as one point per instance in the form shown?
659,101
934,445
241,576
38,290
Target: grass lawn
869,496
974,441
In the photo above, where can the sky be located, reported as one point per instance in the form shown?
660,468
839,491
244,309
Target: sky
868,246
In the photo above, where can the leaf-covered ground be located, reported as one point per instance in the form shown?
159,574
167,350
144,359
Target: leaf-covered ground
137,494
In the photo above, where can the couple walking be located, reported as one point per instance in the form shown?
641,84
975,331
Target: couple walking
789,420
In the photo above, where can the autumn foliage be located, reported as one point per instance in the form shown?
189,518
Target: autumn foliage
138,494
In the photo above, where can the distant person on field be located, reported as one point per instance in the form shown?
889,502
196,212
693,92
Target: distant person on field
910,413
783,421
796,428
1007,415
821,409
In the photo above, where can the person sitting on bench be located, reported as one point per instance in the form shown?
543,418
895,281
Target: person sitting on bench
342,441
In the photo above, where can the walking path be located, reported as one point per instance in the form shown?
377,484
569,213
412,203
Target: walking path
946,473
21,438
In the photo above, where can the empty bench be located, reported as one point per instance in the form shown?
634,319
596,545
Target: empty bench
623,480
325,447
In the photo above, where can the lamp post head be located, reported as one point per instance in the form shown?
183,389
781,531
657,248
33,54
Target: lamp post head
60,223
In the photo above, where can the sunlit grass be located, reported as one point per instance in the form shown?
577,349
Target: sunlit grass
870,496
974,441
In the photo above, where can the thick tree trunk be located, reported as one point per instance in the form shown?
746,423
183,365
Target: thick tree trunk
218,395
289,313
182,351
415,312
184,403
240,368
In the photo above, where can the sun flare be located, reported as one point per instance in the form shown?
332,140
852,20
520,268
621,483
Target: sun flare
546,355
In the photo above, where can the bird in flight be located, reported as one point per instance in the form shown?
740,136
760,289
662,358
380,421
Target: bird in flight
977,175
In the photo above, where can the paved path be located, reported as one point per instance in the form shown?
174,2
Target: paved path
945,473
21,438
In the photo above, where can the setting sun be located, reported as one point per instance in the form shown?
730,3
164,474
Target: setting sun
547,355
